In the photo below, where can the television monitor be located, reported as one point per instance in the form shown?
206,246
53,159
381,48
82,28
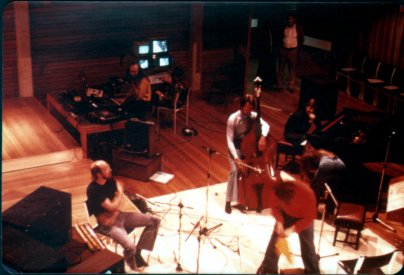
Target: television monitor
144,63
144,49
160,46
164,61
141,48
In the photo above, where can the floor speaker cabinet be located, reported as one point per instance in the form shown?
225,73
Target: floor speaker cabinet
25,254
324,90
140,136
135,166
44,215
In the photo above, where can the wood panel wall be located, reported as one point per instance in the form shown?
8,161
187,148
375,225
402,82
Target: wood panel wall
71,38
10,75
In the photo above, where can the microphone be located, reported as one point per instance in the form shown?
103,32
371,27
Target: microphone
210,150
193,229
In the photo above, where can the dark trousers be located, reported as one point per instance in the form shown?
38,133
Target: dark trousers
309,256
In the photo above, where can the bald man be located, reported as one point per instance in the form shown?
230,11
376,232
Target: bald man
104,199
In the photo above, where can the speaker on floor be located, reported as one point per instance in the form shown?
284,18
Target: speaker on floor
45,215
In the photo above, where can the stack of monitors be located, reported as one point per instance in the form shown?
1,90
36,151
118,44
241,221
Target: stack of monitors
153,54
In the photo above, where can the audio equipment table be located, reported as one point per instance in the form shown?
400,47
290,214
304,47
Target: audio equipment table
84,127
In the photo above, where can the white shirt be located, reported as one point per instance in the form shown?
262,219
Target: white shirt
290,37
238,125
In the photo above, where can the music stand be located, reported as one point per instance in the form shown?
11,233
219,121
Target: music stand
376,214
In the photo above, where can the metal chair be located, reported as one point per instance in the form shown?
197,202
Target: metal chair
103,235
370,264
180,103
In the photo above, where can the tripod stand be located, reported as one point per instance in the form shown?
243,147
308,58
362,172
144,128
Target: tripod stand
375,215
203,229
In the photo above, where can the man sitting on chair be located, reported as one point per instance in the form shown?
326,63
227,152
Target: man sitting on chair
104,199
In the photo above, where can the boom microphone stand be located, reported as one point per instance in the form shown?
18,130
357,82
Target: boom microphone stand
204,229
375,215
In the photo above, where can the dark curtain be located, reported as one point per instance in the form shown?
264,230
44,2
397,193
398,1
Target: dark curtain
384,40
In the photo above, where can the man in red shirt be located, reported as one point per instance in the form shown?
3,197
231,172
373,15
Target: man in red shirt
293,205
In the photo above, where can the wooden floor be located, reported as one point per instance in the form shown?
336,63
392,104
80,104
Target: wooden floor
183,156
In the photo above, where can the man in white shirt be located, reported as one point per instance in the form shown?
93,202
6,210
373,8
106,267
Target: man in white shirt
238,125
293,38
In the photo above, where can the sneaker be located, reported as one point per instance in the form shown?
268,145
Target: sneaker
227,208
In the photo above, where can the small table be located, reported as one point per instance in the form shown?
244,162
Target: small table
83,126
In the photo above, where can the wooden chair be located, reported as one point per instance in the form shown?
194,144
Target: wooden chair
183,99
349,216
288,150
369,264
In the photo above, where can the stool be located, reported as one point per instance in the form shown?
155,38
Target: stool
288,149
349,216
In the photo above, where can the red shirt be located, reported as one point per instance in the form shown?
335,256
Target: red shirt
302,205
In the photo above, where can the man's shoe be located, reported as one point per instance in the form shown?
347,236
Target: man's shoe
140,262
241,208
227,208
262,270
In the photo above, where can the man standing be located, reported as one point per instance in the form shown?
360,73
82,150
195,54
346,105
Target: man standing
104,199
238,125
293,205
293,38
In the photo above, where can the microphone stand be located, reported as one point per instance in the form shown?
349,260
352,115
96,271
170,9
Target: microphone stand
375,215
179,267
327,192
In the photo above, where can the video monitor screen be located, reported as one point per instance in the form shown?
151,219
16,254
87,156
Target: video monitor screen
160,46
164,61
144,63
144,49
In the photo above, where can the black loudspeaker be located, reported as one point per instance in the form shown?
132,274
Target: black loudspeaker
140,137
45,215
324,90
25,254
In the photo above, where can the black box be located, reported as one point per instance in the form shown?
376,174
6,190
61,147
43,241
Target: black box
135,166
45,215
26,254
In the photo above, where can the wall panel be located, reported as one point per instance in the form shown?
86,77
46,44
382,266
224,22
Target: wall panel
69,38
9,58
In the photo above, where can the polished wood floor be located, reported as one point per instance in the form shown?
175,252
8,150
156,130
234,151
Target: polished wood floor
184,157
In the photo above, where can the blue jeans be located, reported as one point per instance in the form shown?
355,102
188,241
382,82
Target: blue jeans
306,238
126,222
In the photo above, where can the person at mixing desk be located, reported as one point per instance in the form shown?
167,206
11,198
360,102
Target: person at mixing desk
138,92
169,92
